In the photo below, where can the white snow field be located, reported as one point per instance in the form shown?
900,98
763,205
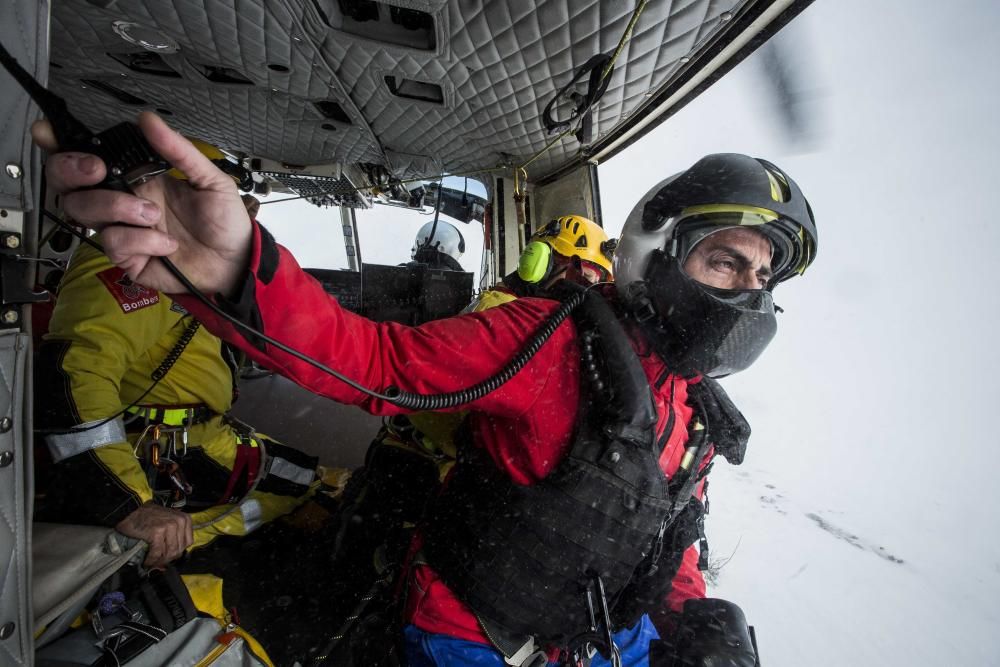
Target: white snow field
821,591
863,526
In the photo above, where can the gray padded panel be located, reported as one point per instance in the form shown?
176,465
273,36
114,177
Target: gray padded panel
498,64
23,25
504,61
272,118
69,562
15,505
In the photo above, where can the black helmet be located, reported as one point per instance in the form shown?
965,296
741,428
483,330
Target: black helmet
696,327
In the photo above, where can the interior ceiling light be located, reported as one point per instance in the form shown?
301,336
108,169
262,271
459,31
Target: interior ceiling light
148,38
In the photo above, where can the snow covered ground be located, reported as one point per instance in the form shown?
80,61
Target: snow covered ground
821,591
863,527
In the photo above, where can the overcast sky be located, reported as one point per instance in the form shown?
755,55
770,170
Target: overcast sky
874,406
886,353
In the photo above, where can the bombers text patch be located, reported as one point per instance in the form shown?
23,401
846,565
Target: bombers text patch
129,295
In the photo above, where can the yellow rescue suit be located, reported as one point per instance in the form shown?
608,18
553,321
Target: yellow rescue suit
106,338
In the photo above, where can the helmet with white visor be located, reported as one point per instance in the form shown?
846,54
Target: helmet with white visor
699,328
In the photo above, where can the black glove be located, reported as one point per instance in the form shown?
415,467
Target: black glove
710,633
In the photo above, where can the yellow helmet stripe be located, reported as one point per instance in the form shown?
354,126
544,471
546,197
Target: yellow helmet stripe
779,186
751,215
807,251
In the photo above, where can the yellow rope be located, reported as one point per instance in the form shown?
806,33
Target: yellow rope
625,36
604,74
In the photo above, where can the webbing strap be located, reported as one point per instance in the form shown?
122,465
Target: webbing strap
516,649
173,416
246,466
85,437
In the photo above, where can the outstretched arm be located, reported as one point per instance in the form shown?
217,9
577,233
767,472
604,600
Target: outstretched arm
200,223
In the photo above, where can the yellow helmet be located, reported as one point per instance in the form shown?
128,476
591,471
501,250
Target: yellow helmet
568,236
575,235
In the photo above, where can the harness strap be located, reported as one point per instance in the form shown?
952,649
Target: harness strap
517,650
171,416
702,538
101,432
246,466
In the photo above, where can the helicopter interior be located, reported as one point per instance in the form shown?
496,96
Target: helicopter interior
346,104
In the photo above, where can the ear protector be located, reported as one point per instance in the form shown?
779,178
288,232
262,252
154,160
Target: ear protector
535,264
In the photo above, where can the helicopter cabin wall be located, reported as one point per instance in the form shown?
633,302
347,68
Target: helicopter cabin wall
507,234
24,32
574,192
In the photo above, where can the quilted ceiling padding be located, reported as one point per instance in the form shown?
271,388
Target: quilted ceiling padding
497,65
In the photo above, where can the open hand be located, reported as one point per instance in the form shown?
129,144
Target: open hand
201,223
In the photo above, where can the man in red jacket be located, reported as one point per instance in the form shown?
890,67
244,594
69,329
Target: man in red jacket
569,517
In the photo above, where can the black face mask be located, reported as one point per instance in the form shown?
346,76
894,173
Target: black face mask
702,329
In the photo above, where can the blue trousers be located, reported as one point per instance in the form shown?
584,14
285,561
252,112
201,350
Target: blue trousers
424,649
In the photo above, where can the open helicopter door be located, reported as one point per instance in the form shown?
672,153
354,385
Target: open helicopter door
520,207
47,571
24,27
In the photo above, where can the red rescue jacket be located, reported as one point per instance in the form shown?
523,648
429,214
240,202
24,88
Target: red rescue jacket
525,425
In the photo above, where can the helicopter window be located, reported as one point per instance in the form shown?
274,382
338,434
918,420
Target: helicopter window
313,234
415,90
381,22
333,111
387,236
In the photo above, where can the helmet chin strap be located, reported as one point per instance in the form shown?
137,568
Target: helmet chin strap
677,358
642,310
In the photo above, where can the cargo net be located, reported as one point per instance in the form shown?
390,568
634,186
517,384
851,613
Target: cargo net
321,190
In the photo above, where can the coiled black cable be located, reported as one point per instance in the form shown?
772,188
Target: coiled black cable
453,399
176,350
161,371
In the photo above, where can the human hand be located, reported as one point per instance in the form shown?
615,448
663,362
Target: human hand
200,223
167,531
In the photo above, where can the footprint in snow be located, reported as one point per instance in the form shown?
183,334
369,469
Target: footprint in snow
772,502
853,540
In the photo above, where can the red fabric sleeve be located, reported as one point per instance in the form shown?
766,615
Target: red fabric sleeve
525,423
688,582
433,358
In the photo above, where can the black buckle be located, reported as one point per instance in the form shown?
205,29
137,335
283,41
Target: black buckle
600,638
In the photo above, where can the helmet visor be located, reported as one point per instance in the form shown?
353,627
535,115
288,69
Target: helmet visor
694,224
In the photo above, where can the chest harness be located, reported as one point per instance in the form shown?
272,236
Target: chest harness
162,447
593,546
